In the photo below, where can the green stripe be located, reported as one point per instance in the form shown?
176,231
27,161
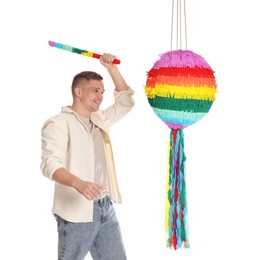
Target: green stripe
76,50
188,105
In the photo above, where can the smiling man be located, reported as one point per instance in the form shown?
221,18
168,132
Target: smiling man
77,155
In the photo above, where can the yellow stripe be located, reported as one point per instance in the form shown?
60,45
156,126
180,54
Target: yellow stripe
181,92
87,53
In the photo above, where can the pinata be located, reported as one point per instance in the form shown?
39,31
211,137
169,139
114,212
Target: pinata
181,89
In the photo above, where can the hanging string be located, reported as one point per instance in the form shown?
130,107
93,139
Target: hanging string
180,13
172,24
178,23
186,40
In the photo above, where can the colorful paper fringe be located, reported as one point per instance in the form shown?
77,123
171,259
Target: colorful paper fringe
176,217
181,89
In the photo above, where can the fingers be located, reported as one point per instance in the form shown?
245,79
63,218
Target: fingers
88,197
89,190
92,191
107,58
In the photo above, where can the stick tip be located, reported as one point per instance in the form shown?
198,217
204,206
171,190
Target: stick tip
51,43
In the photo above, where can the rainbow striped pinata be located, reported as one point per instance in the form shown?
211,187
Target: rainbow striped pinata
181,89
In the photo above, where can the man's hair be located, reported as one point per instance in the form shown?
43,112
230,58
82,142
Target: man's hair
82,76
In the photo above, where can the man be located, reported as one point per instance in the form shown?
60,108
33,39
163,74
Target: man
77,155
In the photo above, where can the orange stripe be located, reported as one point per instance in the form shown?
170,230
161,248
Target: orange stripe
186,81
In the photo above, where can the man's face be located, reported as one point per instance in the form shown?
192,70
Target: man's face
92,95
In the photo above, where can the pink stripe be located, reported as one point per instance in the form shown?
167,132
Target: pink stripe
174,126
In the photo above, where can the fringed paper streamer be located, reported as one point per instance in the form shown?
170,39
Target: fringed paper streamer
176,203
181,89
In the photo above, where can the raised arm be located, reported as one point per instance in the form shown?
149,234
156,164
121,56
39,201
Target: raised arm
106,60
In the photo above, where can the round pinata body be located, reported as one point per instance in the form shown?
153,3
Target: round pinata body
180,88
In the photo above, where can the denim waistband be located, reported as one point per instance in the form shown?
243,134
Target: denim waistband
102,200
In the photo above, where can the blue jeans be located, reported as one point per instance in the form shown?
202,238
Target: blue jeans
102,237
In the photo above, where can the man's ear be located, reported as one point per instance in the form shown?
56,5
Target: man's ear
77,92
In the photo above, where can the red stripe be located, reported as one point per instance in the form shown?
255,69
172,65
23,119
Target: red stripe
173,71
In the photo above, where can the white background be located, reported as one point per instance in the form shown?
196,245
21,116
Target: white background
222,149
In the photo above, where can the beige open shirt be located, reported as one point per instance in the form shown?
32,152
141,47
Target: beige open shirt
67,143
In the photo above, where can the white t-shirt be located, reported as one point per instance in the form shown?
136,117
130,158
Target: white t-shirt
100,160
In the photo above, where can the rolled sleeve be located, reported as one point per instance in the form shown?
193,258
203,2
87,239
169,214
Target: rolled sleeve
125,97
54,143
